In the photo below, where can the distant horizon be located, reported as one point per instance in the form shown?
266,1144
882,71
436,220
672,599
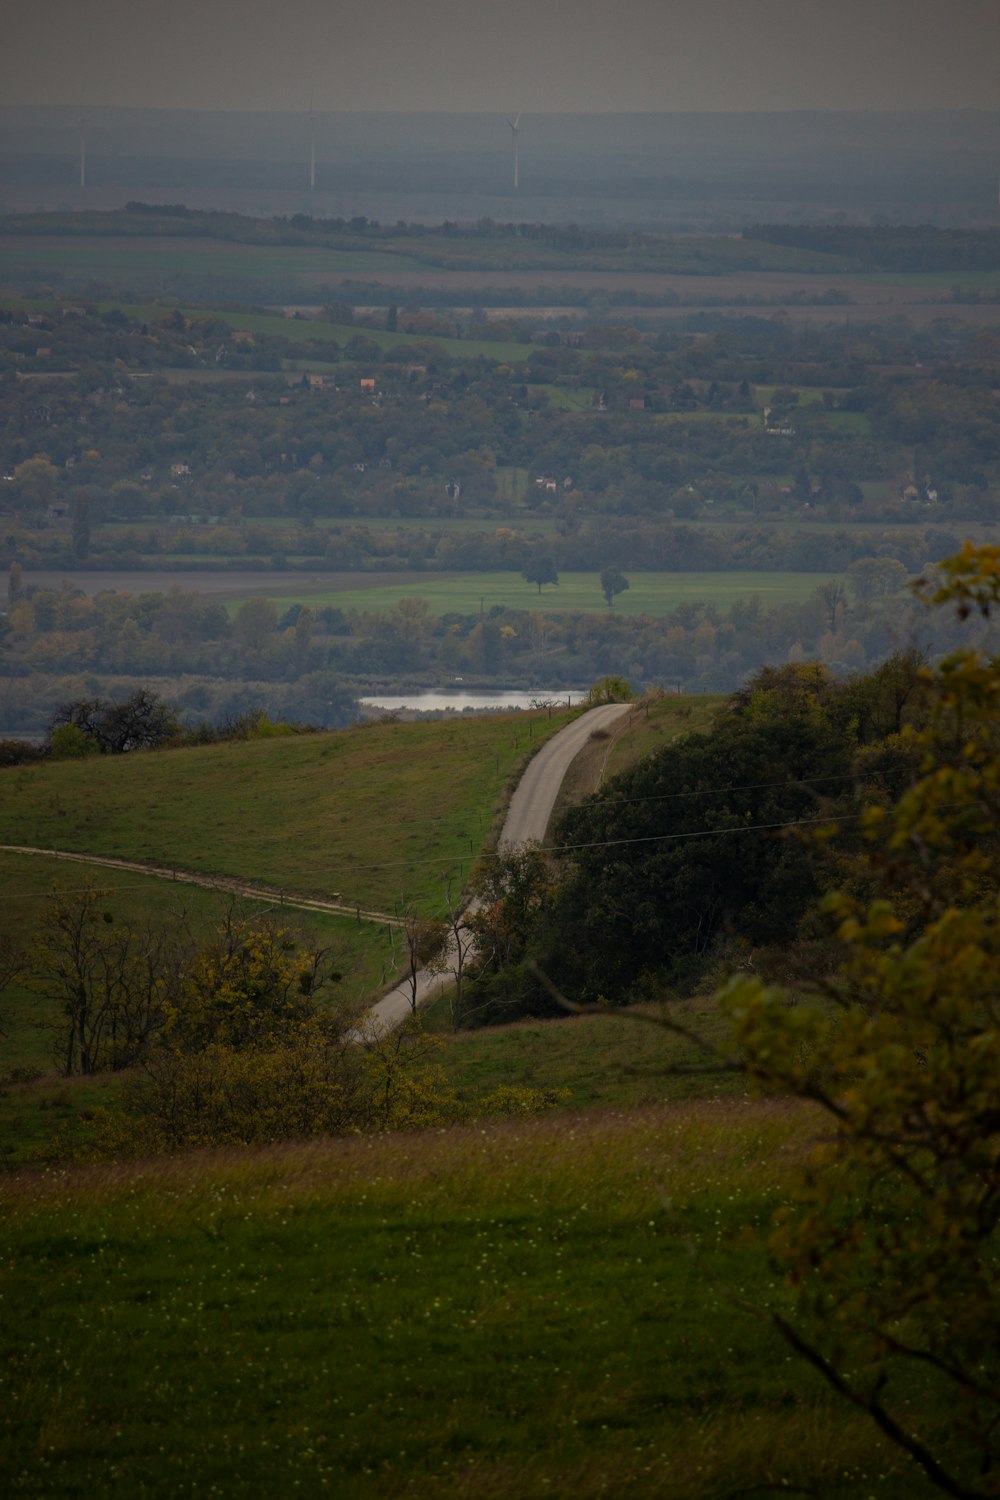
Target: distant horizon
77,111
687,168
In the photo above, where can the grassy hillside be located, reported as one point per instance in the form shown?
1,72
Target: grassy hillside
363,950
548,1306
526,1309
392,804
372,814
610,1061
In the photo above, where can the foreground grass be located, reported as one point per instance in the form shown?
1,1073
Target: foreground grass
612,1060
539,1308
372,815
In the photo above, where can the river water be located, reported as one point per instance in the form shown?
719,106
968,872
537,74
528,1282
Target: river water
458,699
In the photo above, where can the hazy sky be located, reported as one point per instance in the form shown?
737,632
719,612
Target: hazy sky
504,55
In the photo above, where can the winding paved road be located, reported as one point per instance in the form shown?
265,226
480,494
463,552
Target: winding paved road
527,818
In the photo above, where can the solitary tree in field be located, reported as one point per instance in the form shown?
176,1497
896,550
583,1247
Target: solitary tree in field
540,568
613,582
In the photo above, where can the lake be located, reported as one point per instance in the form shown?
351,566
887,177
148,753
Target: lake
460,699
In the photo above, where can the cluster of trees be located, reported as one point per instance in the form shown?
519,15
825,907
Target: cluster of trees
896,247
890,1250
119,988
831,845
58,646
101,726
231,1039
696,857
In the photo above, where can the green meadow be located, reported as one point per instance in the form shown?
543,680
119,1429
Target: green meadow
571,1304
309,330
554,1307
374,815
654,594
116,259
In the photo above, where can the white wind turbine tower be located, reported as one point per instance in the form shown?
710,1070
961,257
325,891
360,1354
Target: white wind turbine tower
312,143
83,151
513,145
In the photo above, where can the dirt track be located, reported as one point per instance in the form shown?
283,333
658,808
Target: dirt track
527,818
222,883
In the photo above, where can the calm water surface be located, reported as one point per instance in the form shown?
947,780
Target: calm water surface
461,698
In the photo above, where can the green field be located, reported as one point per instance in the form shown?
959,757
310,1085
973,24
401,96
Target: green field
115,258
308,330
303,330
655,594
933,280
569,398
607,1061
371,815
517,1310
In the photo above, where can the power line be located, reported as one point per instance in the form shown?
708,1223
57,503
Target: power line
719,791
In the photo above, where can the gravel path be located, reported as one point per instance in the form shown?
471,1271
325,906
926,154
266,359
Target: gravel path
527,818
212,882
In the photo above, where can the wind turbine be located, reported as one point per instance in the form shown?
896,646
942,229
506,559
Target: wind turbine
312,143
83,151
513,144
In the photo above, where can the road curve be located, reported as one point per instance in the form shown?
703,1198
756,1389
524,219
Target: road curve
527,818
535,797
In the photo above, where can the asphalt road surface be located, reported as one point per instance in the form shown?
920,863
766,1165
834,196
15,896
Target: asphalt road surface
527,818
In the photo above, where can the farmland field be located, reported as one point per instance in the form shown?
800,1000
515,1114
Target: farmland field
300,330
654,594
319,273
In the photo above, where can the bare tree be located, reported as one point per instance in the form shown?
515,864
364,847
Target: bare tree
426,940
112,980
461,942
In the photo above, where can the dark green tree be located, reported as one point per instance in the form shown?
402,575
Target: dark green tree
699,842
613,582
539,569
